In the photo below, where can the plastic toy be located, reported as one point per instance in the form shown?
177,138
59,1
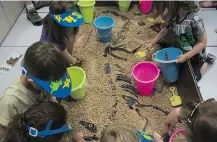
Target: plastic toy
169,68
145,137
175,99
166,57
179,131
141,54
152,20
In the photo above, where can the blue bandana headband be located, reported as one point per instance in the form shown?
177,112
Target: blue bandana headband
145,137
48,132
60,88
68,19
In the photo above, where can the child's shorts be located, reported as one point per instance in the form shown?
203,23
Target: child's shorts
196,68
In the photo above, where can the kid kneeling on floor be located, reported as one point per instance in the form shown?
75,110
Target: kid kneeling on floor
44,77
61,26
189,31
43,122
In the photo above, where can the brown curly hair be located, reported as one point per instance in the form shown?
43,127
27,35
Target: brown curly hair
37,116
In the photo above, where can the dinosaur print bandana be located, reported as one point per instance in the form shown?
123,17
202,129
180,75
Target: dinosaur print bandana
144,136
68,19
59,88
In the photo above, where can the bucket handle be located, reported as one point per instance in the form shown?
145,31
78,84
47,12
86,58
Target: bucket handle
160,61
103,36
179,131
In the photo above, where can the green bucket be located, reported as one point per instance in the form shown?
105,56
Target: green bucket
78,78
124,5
87,9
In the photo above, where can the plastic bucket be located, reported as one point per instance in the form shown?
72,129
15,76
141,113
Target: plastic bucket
104,25
169,67
124,5
78,78
145,75
87,9
145,6
179,131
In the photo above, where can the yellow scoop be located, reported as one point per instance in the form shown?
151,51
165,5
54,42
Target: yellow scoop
141,54
152,20
175,100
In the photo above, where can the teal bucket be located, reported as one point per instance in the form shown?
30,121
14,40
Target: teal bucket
104,25
167,58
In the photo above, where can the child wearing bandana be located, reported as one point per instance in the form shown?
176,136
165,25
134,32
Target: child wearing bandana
61,26
43,122
44,78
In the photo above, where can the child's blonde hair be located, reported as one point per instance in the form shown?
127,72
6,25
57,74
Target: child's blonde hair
118,132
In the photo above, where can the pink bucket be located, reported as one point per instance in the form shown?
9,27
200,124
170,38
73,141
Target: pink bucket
145,74
179,131
145,6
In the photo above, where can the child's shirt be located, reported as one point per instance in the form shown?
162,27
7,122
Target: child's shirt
16,100
44,37
186,32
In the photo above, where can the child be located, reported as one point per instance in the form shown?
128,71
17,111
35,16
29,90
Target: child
61,26
189,31
43,122
199,120
125,133
43,73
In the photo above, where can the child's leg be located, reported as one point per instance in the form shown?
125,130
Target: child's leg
204,68
210,59
201,68
197,70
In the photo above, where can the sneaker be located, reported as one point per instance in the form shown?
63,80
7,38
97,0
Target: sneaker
33,16
210,59
40,4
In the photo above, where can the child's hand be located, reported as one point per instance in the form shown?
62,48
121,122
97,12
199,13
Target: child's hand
149,46
157,137
77,137
182,58
172,119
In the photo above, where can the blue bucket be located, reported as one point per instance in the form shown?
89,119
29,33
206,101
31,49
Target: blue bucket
167,58
104,25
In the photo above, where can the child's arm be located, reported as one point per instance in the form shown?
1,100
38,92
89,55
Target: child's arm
2,131
202,41
159,36
157,138
52,99
68,57
172,119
